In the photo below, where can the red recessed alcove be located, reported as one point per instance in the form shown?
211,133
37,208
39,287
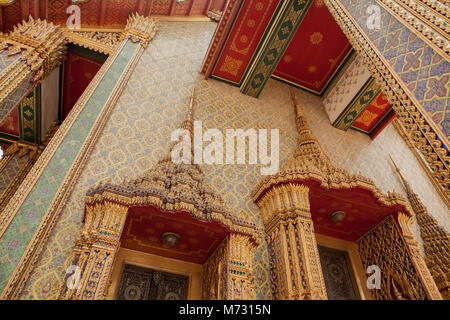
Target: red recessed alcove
145,226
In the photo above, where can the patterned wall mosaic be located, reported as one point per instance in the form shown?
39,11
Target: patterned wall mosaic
426,73
22,228
10,171
349,81
154,103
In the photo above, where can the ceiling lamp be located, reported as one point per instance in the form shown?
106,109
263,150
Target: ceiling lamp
170,239
337,216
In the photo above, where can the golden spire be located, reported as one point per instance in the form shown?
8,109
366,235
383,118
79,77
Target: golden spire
409,191
308,145
435,240
188,122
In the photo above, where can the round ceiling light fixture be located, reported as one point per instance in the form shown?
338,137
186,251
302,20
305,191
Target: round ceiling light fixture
337,216
170,239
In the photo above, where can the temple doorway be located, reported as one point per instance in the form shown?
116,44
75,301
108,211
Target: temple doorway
138,283
337,274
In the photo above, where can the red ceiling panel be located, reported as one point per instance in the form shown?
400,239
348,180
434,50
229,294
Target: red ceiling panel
373,114
243,39
362,211
145,226
199,7
316,51
4,146
104,13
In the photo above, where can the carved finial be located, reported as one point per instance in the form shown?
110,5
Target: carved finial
405,183
188,122
298,112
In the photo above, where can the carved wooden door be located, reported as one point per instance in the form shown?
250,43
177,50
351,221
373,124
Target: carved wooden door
336,274
139,283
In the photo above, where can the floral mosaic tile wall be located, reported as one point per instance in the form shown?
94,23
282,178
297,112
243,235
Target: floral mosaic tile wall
154,103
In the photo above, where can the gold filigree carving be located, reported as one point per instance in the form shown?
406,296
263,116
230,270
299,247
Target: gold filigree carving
140,29
385,247
435,240
430,25
99,41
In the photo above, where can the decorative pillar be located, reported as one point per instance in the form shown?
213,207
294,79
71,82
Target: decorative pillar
435,242
423,273
240,278
295,267
95,251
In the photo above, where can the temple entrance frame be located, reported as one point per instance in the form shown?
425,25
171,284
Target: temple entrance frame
227,275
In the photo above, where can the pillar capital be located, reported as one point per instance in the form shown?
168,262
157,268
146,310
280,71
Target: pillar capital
140,29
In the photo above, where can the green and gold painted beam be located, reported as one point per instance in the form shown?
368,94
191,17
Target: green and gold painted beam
358,104
34,209
29,116
278,38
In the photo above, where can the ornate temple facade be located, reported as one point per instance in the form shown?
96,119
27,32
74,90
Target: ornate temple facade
98,97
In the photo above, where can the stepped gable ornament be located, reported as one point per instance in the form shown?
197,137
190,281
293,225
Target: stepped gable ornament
140,29
174,187
43,44
311,163
435,240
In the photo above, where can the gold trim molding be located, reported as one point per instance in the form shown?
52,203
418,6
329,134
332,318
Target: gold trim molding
98,40
430,25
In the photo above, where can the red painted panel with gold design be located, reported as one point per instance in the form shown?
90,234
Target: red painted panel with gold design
79,70
316,51
373,114
243,39
362,211
94,13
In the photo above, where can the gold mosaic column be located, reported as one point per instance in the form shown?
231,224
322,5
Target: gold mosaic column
295,267
94,252
240,279
423,273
